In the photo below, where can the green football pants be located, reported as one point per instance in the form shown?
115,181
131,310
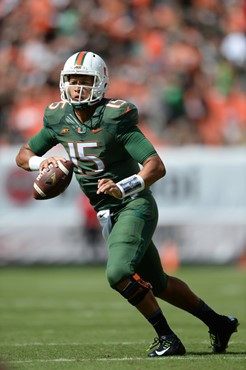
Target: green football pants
130,246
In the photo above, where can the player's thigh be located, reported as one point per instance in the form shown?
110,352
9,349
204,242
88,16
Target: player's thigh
130,237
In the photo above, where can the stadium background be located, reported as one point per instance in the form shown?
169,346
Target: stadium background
183,64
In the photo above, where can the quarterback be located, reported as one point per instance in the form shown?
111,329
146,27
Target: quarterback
115,165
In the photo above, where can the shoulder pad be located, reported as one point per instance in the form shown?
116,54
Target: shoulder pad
117,107
54,112
121,113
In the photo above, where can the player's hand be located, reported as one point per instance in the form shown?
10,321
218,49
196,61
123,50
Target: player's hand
107,186
44,166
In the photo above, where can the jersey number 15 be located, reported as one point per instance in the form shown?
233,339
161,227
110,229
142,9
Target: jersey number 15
77,150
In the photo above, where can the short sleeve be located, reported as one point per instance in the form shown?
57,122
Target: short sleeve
42,141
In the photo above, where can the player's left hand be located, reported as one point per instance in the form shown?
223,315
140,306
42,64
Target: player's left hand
109,187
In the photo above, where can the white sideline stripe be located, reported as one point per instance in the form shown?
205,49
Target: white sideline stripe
186,357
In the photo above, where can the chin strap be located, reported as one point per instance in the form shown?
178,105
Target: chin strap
84,105
79,105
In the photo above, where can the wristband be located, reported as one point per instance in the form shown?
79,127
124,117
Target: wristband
131,185
34,162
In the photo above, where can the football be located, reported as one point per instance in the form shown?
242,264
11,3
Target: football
49,184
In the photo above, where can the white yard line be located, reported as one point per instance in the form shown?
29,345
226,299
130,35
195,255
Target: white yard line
186,357
143,342
67,344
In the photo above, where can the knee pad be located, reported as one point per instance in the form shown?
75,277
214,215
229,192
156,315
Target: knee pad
135,290
116,273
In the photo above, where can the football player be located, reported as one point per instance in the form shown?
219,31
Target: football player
101,137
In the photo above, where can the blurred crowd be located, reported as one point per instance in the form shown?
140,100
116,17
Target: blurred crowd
183,63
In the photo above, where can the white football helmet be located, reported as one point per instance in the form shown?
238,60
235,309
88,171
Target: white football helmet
85,63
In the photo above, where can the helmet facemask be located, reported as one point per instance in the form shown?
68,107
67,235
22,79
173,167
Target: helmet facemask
93,97
92,65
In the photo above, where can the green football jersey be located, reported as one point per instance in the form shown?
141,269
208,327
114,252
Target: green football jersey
108,145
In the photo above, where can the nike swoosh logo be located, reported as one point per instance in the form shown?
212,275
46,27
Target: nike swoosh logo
97,130
160,353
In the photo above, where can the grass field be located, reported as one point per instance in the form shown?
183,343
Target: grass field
68,318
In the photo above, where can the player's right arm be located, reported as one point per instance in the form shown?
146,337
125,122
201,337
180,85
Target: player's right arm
26,159
23,157
30,154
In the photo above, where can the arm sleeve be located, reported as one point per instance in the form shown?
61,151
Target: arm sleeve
137,145
43,141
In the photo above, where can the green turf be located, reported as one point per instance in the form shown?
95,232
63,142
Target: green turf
68,318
